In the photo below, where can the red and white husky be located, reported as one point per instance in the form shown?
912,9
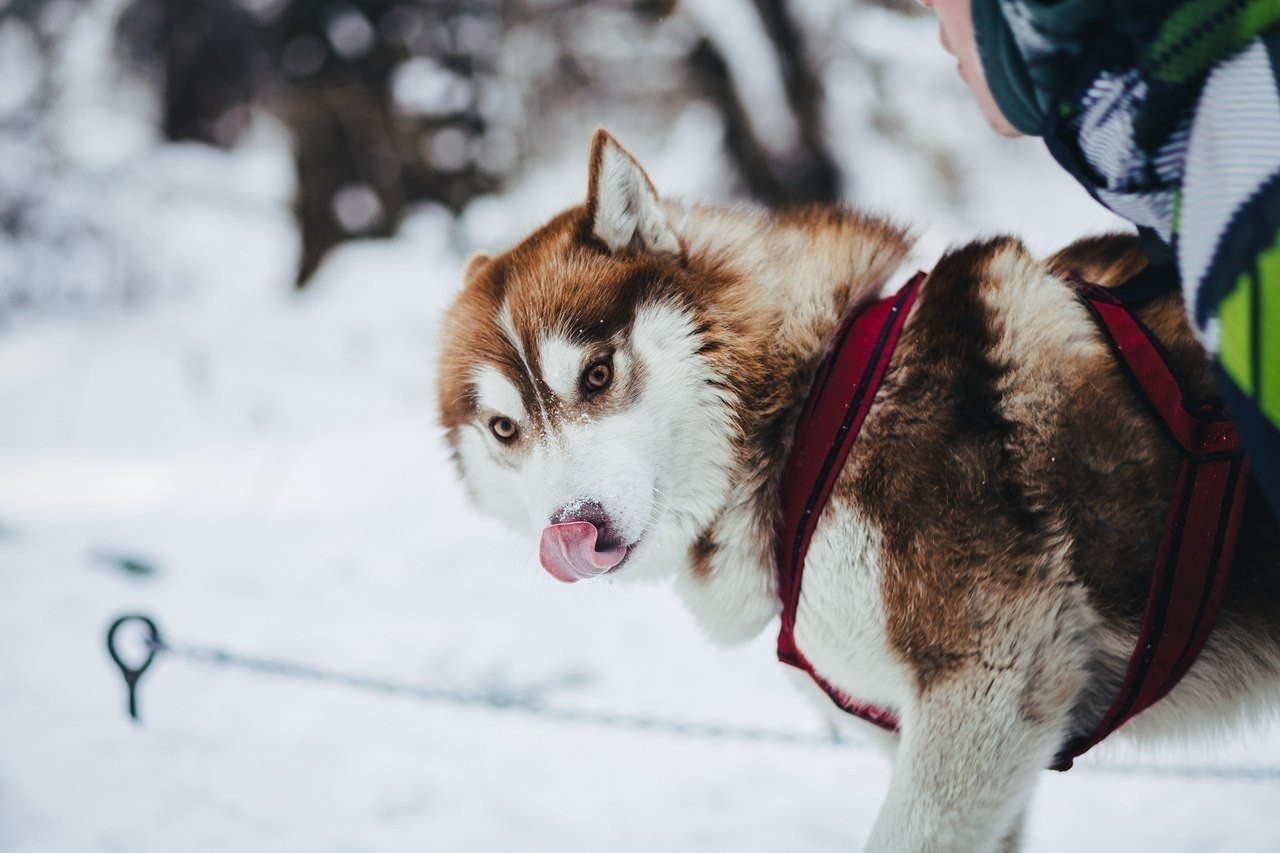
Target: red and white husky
626,381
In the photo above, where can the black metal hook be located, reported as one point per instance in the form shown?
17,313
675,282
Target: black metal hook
133,673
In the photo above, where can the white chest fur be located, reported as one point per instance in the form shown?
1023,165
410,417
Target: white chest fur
840,621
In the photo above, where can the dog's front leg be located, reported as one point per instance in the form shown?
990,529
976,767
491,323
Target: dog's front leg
971,751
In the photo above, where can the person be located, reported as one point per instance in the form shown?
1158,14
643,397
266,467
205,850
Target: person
1168,112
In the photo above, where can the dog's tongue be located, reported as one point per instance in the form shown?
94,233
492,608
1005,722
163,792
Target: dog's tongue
568,552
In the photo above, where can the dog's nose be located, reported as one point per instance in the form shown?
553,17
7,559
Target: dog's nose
593,512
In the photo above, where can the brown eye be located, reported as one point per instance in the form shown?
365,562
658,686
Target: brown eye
504,429
597,377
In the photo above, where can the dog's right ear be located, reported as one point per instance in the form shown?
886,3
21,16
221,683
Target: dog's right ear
622,204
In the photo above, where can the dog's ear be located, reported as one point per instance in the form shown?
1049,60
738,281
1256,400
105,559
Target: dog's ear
473,266
622,204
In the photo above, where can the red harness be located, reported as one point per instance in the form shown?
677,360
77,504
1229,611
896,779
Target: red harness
1195,554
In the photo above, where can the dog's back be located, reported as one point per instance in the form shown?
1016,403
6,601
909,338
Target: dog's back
1010,460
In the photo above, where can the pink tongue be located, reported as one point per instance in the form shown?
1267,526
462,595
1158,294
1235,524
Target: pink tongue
568,552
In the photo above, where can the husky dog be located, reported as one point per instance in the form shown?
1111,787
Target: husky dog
627,379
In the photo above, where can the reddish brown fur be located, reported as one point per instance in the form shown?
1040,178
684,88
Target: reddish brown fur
974,505
998,469
556,279
1005,500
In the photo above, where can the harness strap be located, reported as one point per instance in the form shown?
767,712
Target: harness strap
842,393
1195,554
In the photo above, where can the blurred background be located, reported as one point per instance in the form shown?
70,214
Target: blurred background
227,231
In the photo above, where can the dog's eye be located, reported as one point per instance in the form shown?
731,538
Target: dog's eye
597,377
504,429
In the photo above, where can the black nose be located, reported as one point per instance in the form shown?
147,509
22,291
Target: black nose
607,535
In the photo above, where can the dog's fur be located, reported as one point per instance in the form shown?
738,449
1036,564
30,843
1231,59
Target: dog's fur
983,563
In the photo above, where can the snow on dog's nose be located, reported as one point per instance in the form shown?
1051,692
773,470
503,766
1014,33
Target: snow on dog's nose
580,543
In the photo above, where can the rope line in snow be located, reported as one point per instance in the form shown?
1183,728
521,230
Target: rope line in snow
529,703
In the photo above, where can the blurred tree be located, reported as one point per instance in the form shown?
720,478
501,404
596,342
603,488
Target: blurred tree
31,27
392,102
57,247
210,58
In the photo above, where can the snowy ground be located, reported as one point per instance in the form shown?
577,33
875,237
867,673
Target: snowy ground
274,458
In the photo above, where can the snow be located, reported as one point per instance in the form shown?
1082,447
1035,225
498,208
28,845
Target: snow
275,458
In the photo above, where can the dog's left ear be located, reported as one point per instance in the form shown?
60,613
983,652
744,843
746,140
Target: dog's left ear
622,203
473,266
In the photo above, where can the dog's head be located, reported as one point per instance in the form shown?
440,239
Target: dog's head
577,388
